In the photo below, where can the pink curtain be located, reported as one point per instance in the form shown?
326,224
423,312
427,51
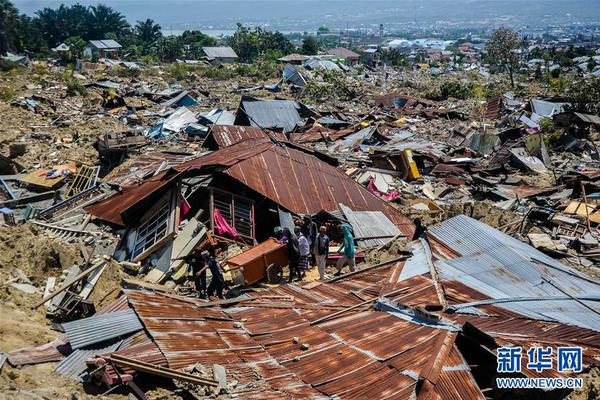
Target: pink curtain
223,227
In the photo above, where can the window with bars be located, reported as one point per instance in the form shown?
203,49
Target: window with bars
236,210
152,230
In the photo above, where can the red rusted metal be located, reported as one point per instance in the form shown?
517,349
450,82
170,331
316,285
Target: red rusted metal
113,209
253,263
298,181
227,135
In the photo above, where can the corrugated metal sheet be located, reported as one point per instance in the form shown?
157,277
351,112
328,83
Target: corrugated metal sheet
296,180
101,327
500,266
270,114
343,52
105,44
592,119
373,226
74,365
135,171
227,135
219,52
181,118
113,209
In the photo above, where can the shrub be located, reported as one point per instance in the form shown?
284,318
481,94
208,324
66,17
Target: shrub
455,89
7,93
75,88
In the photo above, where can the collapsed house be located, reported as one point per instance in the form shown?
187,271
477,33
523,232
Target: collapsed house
242,191
426,325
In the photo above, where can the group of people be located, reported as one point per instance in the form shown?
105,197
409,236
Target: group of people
302,244
307,241
200,262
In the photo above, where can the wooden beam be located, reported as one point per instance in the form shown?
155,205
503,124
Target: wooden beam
161,371
358,271
67,285
335,314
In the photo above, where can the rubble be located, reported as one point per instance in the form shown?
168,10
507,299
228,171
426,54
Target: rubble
475,228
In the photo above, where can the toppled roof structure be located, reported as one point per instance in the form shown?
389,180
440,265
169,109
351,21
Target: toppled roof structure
423,326
281,115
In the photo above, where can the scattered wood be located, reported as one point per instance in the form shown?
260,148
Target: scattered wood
70,283
161,371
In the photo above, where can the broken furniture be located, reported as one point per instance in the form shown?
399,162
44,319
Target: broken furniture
265,260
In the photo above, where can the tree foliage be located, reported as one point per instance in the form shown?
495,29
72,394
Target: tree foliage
147,31
310,46
250,44
585,96
9,17
504,50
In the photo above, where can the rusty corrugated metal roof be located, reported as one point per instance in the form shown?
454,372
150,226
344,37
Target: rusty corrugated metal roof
113,209
296,180
227,135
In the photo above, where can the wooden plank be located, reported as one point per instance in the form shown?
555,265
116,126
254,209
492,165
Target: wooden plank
69,282
161,371
358,271
38,178
49,286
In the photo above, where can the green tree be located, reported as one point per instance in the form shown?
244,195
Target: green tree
585,96
194,41
252,43
58,24
147,31
310,45
76,44
503,50
245,43
104,20
169,48
9,17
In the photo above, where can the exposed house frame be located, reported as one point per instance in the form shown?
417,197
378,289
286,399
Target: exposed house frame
158,225
238,211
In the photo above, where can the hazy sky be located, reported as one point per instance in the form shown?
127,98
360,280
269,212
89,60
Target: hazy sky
339,13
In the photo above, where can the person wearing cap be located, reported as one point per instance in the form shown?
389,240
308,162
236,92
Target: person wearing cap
348,248
280,235
322,250
304,249
217,281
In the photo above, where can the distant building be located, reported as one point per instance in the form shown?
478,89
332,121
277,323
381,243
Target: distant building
294,58
349,55
105,48
222,54
62,48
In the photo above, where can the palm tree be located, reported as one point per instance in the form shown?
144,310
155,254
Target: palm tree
105,19
147,31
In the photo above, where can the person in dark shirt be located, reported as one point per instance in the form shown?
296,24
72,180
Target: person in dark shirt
420,230
217,281
196,261
293,253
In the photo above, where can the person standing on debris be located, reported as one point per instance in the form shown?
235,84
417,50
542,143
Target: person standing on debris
348,248
420,230
309,229
304,248
293,253
322,251
196,261
217,281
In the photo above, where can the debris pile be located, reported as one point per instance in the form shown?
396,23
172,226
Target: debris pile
155,222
